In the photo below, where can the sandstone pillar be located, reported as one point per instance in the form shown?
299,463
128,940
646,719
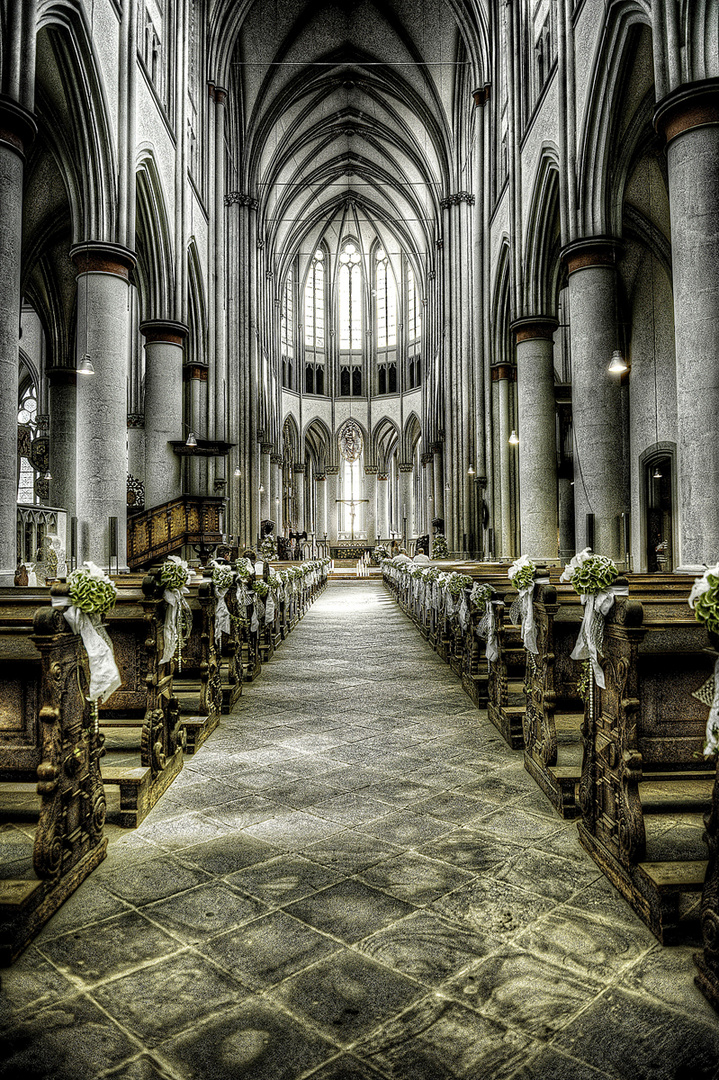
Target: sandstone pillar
383,505
163,409
689,120
537,449
103,323
370,507
299,471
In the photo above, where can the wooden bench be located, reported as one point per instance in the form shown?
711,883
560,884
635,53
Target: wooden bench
644,782
47,739
707,961
141,720
197,684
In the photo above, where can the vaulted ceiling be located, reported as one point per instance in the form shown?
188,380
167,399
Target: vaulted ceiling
358,111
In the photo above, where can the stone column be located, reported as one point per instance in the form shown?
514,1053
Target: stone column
163,409
599,441
332,472
103,320
427,513
383,505
438,473
265,480
321,499
689,120
63,412
503,375
299,471
195,376
370,490
17,130
538,522
276,491
136,449
406,507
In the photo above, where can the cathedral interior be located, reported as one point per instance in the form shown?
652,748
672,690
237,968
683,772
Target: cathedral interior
314,297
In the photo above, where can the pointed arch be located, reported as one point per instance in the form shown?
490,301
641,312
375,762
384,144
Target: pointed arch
385,440
318,441
411,435
543,241
153,244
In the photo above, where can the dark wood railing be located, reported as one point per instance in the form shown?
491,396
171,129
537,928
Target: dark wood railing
163,530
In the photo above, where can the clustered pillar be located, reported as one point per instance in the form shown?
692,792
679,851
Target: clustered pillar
163,409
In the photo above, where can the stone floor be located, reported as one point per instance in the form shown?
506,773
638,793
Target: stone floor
354,879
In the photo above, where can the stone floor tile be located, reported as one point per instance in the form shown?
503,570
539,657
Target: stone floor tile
406,828
162,999
346,996
293,830
350,910
256,1040
415,878
493,906
205,911
345,1067
439,1039
268,950
350,808
227,853
350,851
284,879
154,879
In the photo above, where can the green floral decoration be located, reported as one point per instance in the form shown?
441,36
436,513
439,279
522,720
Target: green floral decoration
458,583
174,573
594,575
261,588
268,548
439,547
704,599
523,577
585,681
480,595
222,578
93,594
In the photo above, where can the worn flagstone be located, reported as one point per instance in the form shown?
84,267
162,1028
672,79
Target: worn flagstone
353,879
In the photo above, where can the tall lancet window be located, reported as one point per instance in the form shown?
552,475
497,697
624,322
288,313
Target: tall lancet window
315,325
386,322
350,320
351,447
414,333
287,332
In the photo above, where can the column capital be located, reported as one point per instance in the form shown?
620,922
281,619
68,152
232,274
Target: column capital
332,470
370,470
164,330
135,420
504,371
194,372
276,459
534,326
97,257
481,95
382,476
320,476
457,198
298,467
690,106
267,447
427,458
405,467
217,93
240,198
589,252
61,376
17,126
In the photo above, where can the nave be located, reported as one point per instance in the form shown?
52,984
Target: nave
353,878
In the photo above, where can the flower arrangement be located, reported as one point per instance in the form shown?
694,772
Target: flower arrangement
457,583
268,548
244,568
704,599
222,578
431,574
174,573
91,590
480,595
261,588
380,553
439,547
521,573
590,574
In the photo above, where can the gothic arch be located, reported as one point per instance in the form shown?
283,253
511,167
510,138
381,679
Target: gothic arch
543,241
154,242
411,434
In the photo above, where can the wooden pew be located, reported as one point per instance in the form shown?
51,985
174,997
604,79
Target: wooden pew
141,720
47,739
707,961
643,773
197,686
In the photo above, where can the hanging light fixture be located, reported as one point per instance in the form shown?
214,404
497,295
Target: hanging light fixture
191,440
262,489
514,438
617,365
238,472
470,471
657,474
86,366
47,475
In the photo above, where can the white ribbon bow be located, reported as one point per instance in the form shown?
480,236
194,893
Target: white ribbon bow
104,676
222,616
269,610
176,605
591,633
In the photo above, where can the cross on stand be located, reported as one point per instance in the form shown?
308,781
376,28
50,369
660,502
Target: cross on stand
352,503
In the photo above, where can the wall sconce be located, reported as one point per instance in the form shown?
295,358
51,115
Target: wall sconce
85,366
617,365
191,440
470,471
238,472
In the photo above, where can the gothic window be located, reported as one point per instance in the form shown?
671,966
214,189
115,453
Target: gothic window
386,300
350,320
315,325
27,423
414,333
287,332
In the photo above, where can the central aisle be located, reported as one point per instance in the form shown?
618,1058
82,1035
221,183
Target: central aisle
354,878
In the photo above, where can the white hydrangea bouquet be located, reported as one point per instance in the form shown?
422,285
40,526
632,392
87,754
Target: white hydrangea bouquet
174,575
91,595
521,574
592,577
704,601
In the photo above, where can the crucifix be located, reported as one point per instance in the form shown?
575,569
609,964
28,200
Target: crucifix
352,503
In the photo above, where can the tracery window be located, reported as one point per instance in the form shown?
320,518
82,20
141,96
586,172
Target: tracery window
287,332
27,425
350,320
315,325
414,333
